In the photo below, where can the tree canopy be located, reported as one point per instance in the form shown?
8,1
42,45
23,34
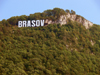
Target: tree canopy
70,49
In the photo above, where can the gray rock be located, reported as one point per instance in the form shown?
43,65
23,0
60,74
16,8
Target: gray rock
73,17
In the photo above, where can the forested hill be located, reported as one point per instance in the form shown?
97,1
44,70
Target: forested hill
70,49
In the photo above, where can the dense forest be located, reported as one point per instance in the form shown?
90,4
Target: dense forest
69,49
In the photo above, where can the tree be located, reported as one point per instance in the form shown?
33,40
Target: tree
13,20
68,11
73,12
58,12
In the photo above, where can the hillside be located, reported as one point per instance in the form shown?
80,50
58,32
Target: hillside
54,16
54,49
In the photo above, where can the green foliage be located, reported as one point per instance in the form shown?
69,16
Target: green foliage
58,12
50,50
68,11
73,12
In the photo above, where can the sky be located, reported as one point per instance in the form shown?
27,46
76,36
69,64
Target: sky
89,9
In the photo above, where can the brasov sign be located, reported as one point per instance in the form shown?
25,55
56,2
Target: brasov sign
33,23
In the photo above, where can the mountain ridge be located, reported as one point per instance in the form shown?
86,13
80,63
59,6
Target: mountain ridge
73,17
54,16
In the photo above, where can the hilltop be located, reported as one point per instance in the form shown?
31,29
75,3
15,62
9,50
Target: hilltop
56,49
54,16
67,17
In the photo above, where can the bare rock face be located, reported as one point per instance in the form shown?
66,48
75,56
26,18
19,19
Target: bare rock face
79,20
73,17
48,21
62,20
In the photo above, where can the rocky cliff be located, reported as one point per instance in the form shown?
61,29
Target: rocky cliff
73,17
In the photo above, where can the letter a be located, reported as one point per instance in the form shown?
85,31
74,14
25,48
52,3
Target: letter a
28,23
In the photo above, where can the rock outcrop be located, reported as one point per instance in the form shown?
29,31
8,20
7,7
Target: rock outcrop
73,17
